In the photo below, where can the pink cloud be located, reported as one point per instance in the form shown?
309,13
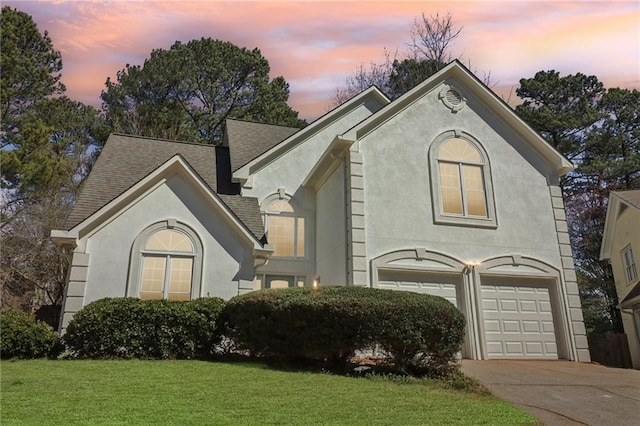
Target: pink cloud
314,45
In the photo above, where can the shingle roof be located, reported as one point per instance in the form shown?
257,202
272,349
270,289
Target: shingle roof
249,140
125,160
630,197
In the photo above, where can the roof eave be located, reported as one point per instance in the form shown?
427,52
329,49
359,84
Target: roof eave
326,165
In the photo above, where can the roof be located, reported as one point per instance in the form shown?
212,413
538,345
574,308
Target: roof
617,200
493,103
630,299
248,140
372,98
631,198
126,160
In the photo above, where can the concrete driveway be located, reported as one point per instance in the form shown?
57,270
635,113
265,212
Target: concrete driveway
563,392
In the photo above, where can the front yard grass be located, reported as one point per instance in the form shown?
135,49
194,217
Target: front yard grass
135,392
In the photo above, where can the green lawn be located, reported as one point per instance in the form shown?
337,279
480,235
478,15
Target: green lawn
205,393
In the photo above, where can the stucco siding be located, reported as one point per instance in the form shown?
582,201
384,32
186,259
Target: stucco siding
227,260
627,233
398,191
331,230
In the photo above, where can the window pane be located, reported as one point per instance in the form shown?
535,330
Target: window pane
450,188
153,272
459,150
180,278
300,281
280,206
168,240
300,239
474,190
280,234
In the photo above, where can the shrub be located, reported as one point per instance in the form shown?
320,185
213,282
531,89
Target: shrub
296,324
134,328
21,336
419,334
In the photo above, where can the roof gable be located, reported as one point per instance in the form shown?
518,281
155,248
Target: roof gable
373,98
618,201
125,161
176,165
459,73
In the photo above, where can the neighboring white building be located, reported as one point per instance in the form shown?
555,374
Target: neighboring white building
443,191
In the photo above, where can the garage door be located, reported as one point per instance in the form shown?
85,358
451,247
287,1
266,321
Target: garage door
518,319
442,285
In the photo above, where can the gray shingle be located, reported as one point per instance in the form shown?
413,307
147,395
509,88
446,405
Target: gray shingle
125,160
249,140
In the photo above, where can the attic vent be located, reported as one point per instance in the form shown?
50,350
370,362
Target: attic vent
451,98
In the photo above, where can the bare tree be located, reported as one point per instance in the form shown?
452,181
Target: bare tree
364,77
432,37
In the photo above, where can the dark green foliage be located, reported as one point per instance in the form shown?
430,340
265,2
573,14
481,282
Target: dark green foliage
188,91
134,328
419,334
21,336
30,68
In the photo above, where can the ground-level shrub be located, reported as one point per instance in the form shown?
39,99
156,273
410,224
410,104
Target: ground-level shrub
134,328
418,334
21,336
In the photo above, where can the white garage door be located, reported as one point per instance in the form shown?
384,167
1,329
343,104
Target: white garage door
442,285
518,319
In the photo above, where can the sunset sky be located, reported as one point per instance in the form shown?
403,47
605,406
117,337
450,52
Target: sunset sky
314,45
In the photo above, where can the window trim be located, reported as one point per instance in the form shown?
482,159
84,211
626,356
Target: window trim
439,217
138,251
296,217
629,267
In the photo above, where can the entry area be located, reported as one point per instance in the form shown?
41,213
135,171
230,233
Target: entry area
518,318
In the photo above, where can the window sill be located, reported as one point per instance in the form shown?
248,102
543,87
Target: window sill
474,222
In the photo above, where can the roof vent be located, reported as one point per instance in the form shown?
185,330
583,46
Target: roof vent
451,98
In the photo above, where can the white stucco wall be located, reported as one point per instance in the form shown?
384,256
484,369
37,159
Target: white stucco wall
288,172
331,227
227,258
398,197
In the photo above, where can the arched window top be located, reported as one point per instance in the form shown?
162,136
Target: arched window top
459,150
170,240
280,206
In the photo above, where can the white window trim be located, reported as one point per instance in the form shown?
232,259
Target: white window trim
439,216
295,215
137,255
630,269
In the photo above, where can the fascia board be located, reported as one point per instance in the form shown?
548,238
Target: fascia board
327,162
176,164
242,174
609,227
63,238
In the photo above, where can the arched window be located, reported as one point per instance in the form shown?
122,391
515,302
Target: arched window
285,229
461,181
168,264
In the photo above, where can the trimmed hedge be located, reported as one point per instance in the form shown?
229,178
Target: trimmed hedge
21,336
134,328
417,333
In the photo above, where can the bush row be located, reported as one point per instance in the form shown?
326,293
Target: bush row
416,333
134,328
21,336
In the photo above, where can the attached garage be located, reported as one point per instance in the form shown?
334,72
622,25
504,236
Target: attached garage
444,285
518,318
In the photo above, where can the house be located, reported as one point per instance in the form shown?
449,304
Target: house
620,246
443,191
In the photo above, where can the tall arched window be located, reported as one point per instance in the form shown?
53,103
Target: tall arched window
285,229
166,263
461,181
